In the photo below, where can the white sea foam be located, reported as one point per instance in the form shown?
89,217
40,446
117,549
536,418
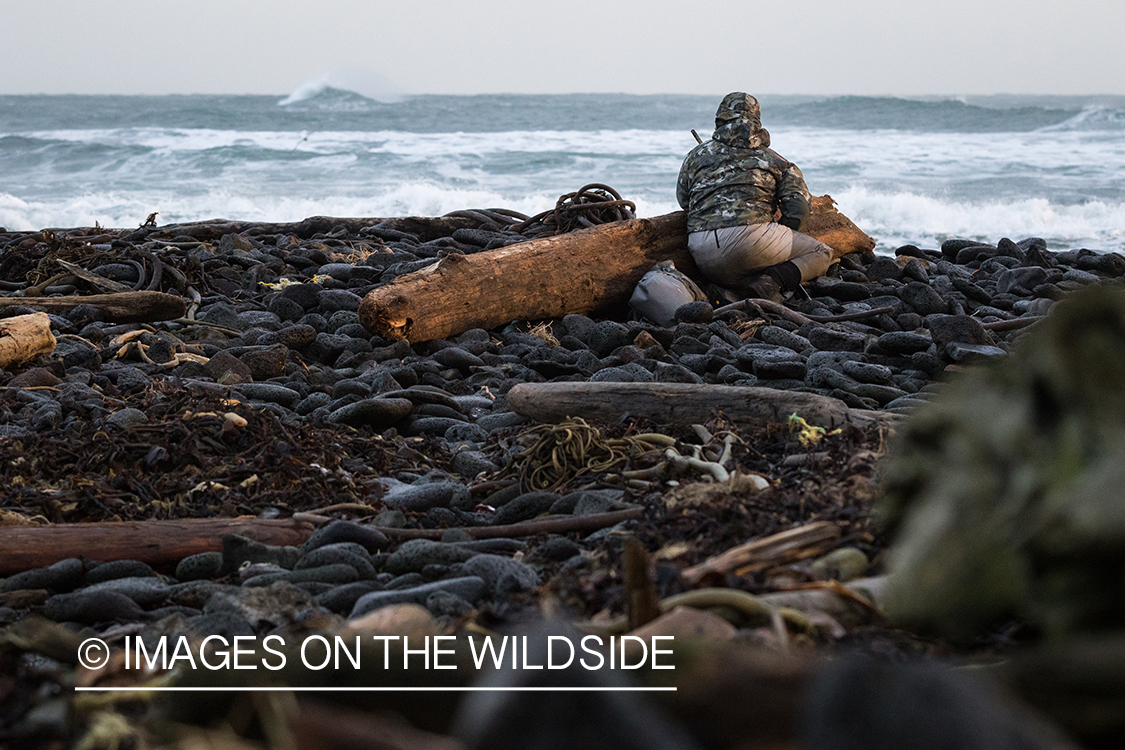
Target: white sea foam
905,218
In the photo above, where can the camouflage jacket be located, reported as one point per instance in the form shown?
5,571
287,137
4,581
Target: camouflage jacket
736,179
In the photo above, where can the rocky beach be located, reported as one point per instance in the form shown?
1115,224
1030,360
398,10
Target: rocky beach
356,484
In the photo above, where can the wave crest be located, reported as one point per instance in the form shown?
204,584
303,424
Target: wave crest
345,88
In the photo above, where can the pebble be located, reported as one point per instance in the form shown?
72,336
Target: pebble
416,554
469,588
371,540
61,577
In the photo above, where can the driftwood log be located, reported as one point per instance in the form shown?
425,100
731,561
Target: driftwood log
588,271
117,307
158,543
25,337
685,404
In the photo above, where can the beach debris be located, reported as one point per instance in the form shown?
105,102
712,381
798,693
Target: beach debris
25,337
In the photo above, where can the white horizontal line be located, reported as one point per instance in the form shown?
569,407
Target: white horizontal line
119,689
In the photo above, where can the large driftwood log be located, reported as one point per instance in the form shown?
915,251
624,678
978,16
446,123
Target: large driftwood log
588,271
578,272
156,542
685,403
25,337
117,307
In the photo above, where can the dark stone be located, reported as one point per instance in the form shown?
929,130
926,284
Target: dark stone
147,591
607,336
226,369
270,392
119,569
922,298
695,312
962,328
469,588
338,531
295,337
950,248
341,599
457,358
377,413
826,338
75,351
239,549
904,342
958,352
420,497
416,554
347,553
884,268
265,362
502,573
201,566
92,607
60,577
1111,264
524,507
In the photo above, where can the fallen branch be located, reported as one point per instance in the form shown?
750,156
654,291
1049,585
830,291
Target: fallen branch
759,554
1013,324
685,403
25,337
156,542
556,525
118,307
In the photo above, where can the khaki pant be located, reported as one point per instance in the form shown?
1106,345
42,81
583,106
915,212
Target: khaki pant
732,256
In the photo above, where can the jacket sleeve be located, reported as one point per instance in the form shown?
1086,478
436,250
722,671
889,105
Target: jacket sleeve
793,198
683,184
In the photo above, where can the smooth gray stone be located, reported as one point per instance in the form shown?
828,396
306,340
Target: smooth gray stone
420,497
341,599
337,573
469,588
63,576
92,607
416,554
377,413
340,530
270,392
118,569
200,566
500,572
905,342
239,549
145,591
959,352
348,553
196,594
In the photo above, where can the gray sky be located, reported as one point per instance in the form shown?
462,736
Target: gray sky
901,47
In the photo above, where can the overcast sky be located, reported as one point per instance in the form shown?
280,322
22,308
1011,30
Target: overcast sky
898,47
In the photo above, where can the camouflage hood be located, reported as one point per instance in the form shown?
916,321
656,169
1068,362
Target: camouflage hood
738,122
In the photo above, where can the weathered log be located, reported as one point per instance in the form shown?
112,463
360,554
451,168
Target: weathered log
589,271
156,542
834,229
685,403
118,307
25,337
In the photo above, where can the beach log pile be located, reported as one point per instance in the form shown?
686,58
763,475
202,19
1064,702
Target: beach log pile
590,271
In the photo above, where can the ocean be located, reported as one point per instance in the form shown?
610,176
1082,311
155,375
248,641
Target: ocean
915,171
